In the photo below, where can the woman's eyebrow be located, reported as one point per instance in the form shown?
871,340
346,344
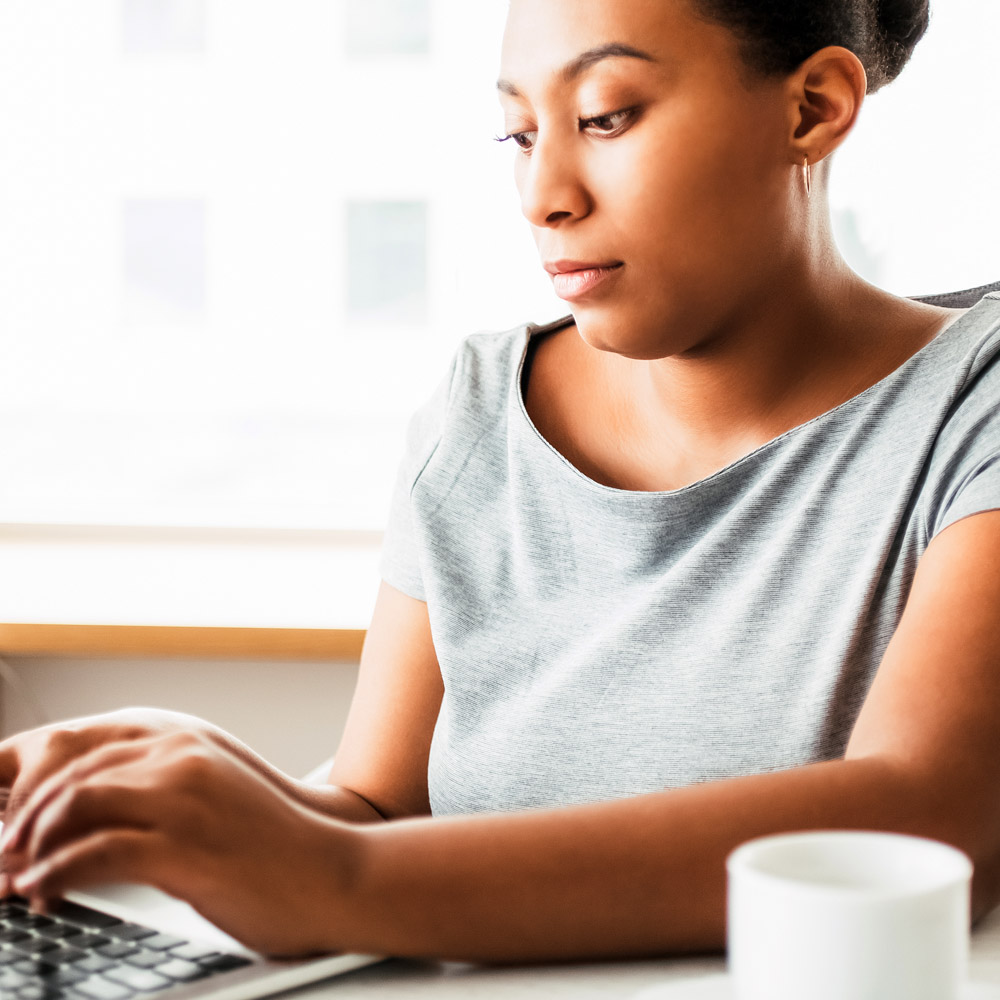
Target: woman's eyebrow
584,61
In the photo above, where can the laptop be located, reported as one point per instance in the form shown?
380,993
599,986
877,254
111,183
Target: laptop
126,941
120,942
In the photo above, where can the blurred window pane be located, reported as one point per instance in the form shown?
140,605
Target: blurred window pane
164,25
376,27
387,262
164,266
261,233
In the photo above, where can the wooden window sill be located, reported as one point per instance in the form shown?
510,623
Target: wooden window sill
191,592
163,641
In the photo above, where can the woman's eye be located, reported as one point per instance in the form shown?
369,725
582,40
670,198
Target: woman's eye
609,124
523,140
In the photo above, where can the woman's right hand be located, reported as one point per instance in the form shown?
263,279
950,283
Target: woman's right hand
29,758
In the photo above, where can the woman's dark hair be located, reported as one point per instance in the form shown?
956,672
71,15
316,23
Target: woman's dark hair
779,35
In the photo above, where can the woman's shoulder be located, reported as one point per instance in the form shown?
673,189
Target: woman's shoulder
970,349
486,367
476,388
961,476
496,355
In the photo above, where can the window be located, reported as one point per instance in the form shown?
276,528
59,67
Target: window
913,191
387,27
387,262
226,282
164,260
163,25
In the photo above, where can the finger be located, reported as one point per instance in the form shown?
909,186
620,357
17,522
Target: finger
107,856
19,829
27,759
79,810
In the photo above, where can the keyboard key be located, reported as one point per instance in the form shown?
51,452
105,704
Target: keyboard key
12,934
33,992
223,963
63,956
85,916
39,991
137,979
34,967
131,932
94,963
29,920
36,945
103,989
147,959
90,941
10,980
182,971
118,949
193,952
161,942
59,931
66,976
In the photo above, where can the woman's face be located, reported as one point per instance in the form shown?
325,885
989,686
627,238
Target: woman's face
653,170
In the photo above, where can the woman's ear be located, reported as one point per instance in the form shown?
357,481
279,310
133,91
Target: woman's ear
825,97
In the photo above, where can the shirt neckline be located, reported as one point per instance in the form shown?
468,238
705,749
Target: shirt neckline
532,331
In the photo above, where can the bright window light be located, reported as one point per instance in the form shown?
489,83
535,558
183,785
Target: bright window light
163,25
387,262
387,27
164,262
227,281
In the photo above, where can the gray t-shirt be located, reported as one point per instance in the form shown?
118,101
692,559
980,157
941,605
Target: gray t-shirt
598,643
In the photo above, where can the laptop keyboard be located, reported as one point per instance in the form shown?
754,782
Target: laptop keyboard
76,953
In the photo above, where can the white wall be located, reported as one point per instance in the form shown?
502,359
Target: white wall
290,713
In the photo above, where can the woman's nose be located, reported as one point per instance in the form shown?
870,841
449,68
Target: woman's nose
551,187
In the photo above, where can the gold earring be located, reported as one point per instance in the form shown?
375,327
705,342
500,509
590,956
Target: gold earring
807,176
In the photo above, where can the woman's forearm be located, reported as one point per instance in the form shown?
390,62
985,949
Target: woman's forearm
336,802
631,877
330,800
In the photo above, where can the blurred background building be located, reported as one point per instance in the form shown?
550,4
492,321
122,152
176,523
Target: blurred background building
239,240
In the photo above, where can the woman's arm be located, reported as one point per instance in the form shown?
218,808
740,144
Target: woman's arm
646,875
380,769
383,754
637,876
387,736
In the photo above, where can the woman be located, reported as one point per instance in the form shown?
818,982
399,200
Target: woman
715,557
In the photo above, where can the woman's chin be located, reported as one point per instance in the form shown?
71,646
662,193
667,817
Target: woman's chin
633,340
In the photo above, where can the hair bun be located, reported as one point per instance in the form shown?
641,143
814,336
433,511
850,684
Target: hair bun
899,25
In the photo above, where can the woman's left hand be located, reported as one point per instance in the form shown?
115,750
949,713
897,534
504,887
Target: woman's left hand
183,814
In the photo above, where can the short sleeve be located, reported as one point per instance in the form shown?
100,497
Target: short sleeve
400,560
965,465
979,491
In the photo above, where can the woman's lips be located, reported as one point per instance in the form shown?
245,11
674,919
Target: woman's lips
574,279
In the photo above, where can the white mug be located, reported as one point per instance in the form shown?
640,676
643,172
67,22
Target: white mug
845,915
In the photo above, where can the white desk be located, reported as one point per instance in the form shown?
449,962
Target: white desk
605,980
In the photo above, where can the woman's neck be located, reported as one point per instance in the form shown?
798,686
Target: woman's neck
663,424
774,368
